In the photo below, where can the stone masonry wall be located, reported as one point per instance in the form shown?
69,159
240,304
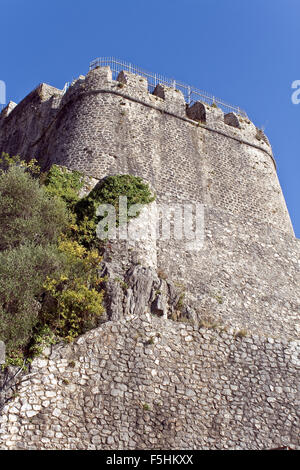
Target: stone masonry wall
102,127
245,275
108,129
21,125
150,383
249,262
147,382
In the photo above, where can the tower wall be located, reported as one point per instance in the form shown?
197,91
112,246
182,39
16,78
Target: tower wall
249,260
110,127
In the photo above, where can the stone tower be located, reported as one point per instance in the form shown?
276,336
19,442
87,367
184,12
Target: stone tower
245,276
195,154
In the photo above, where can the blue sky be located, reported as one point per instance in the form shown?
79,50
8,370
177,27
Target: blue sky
243,51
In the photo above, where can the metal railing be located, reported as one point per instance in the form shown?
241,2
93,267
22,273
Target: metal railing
191,94
66,87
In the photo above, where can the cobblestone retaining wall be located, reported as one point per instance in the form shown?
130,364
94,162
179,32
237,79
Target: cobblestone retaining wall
150,383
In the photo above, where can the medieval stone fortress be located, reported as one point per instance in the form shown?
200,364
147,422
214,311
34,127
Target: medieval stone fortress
224,374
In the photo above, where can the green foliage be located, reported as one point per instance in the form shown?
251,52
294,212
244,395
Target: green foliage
73,303
7,162
180,303
23,270
64,184
49,284
109,190
49,287
43,336
84,232
27,213
16,359
219,299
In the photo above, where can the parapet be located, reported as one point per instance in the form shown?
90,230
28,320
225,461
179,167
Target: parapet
173,99
163,98
197,112
46,103
97,78
45,91
232,119
133,81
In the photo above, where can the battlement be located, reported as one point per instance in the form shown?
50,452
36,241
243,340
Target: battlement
172,100
109,120
164,98
191,94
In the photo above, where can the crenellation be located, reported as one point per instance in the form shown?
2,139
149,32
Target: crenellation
232,119
7,110
68,132
76,87
214,117
197,112
133,85
98,78
173,99
45,91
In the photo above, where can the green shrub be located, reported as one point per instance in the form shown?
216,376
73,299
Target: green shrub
43,336
49,287
27,213
7,162
108,191
23,270
111,188
73,303
64,184
49,257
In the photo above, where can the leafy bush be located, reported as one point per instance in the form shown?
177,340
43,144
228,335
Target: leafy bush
64,184
7,162
73,302
108,191
23,270
27,213
49,253
49,288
